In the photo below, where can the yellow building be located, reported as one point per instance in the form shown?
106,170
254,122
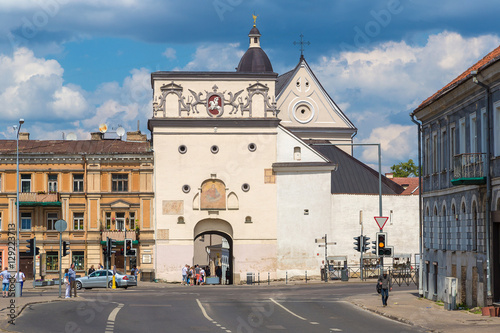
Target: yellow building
100,187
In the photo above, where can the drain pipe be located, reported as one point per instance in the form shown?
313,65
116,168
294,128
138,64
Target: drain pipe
420,224
489,295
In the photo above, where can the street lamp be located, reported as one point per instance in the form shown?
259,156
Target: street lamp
18,129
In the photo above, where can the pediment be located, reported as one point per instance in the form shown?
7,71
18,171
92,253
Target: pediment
120,204
171,86
258,86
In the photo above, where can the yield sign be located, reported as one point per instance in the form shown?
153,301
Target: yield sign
381,221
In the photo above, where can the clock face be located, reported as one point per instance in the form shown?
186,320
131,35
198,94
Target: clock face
303,112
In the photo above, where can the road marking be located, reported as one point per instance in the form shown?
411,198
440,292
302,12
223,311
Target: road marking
335,330
314,323
203,311
110,325
292,313
210,319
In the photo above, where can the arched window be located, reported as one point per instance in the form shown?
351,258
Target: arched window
474,226
454,217
444,230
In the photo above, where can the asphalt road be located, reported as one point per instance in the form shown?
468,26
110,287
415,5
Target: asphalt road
241,309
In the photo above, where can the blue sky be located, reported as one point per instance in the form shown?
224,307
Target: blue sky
69,65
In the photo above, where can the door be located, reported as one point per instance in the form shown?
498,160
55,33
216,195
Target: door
26,265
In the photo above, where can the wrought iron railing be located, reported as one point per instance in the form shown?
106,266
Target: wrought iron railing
470,165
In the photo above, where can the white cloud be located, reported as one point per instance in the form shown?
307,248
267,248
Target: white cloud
215,57
169,53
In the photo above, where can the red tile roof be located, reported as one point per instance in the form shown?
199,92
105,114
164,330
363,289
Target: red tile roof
74,147
410,184
489,59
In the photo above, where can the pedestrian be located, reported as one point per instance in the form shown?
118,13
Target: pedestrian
114,269
5,282
192,276
385,282
197,272
184,274
67,283
20,277
91,269
202,276
218,273
72,280
136,271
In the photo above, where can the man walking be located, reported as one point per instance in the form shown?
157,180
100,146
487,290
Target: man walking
72,279
184,274
20,278
385,281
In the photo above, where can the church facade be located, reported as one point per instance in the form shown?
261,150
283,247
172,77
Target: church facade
244,155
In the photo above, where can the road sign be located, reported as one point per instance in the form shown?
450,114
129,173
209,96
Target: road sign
61,225
381,221
320,240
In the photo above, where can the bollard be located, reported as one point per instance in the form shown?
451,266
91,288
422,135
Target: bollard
286,277
306,276
258,278
268,281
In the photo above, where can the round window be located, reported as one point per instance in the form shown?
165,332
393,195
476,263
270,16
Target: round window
252,147
186,188
245,187
214,149
303,112
182,149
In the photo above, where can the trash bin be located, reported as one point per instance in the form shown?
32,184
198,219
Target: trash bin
344,276
250,278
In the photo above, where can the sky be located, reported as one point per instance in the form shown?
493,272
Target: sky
67,66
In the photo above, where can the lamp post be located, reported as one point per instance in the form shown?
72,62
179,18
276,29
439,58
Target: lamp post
18,129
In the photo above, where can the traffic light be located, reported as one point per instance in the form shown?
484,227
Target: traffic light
358,242
366,244
128,247
105,251
111,244
31,246
65,246
381,243
374,247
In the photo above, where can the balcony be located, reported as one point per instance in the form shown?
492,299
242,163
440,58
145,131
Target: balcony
39,199
468,169
118,235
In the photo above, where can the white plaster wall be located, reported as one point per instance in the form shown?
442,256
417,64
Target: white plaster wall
297,231
234,164
286,143
402,229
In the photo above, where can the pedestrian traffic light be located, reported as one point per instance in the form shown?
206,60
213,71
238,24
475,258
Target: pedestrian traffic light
65,248
366,244
358,243
128,247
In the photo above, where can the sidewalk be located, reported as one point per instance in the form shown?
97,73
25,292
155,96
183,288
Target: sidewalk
405,306
30,296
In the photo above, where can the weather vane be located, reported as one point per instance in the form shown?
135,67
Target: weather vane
302,43
254,18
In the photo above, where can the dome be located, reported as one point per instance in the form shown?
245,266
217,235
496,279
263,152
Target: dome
255,60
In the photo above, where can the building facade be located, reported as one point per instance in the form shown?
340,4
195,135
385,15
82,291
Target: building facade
101,188
460,209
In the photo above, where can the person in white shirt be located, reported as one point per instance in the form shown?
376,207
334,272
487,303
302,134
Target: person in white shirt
202,276
5,281
20,277
184,274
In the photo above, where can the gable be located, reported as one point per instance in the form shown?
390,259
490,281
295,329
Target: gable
287,144
303,102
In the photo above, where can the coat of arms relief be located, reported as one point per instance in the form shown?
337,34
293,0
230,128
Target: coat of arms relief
214,103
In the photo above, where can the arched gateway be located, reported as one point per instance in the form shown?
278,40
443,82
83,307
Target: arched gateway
215,250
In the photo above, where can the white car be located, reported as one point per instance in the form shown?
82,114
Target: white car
98,280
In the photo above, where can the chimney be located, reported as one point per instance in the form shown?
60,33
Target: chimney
24,136
389,175
137,136
96,136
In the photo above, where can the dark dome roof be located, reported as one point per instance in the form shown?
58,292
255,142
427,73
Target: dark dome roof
254,31
255,60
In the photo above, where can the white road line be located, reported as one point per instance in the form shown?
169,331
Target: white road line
203,310
314,323
296,315
110,326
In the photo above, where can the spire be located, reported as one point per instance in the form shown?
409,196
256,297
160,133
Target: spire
254,59
254,34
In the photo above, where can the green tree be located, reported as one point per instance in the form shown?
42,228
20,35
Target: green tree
405,169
